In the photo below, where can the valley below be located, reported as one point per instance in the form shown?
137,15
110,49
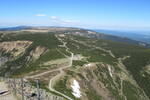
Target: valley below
73,64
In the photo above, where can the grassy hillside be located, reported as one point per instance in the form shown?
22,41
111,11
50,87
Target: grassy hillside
138,60
46,40
100,73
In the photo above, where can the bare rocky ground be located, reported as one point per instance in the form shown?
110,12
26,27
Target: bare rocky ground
19,89
14,46
8,95
3,60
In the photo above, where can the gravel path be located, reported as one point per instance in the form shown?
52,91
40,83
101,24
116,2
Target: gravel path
61,71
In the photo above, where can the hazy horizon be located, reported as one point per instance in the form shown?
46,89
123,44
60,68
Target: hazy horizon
109,29
95,14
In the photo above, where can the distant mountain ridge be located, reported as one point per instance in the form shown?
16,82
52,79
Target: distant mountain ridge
143,36
98,35
25,27
14,28
82,32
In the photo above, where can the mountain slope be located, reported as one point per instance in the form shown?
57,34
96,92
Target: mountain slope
134,35
98,35
77,67
14,28
113,36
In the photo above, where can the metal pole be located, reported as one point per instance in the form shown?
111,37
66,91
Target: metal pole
39,96
14,86
22,89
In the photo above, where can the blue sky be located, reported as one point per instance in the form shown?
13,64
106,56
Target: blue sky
100,14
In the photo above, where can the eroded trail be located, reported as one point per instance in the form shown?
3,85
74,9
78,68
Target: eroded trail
52,81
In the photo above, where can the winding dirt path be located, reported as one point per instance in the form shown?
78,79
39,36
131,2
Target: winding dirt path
61,70
52,80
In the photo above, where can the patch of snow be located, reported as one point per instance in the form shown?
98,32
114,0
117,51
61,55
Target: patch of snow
62,35
90,32
143,75
76,89
78,57
142,44
88,65
110,71
104,43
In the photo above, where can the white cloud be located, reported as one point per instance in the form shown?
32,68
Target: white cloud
69,21
40,15
58,20
53,17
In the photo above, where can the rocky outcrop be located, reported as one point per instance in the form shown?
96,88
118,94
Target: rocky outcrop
15,47
3,60
37,52
22,88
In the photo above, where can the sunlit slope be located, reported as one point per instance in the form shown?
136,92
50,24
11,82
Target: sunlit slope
103,69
